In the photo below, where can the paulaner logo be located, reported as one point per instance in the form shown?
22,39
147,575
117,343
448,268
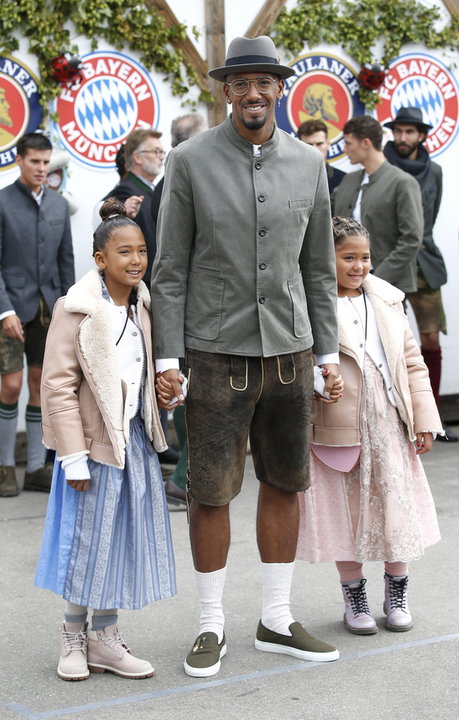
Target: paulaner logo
325,88
115,97
20,109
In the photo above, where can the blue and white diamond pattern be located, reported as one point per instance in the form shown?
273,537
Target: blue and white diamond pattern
422,93
106,110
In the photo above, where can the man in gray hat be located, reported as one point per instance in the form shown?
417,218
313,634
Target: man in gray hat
408,153
244,288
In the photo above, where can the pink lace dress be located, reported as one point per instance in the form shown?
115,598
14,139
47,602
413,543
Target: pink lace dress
383,508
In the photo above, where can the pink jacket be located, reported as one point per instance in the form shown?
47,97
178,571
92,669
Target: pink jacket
82,394
339,423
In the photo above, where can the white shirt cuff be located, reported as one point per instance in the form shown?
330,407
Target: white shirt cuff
8,313
76,466
167,364
330,358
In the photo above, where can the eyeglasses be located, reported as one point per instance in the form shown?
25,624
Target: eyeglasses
240,86
160,153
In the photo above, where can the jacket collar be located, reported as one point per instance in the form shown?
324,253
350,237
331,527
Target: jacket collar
25,189
374,176
243,144
86,295
143,185
382,296
383,290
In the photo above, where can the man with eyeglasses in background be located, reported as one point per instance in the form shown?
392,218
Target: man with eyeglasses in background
144,161
244,289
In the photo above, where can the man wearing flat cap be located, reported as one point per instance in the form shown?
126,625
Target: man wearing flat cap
245,290
408,153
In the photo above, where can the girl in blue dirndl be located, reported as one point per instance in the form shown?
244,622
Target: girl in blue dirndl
107,541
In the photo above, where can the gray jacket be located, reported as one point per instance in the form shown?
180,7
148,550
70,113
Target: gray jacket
245,260
391,211
430,258
36,252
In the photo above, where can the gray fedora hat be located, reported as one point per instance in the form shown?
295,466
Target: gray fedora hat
409,116
251,55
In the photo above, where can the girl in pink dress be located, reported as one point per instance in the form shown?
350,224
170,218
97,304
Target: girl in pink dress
369,497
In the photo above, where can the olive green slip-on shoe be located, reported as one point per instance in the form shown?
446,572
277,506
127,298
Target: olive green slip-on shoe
301,644
204,658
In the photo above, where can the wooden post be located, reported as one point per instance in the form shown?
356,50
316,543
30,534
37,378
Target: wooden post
453,6
266,17
189,51
216,53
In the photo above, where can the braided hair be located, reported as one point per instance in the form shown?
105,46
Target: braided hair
113,214
344,227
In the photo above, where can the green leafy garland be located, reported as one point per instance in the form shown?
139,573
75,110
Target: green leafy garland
52,27
357,25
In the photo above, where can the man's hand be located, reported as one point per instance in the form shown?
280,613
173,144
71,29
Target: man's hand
333,388
132,205
80,485
168,386
12,327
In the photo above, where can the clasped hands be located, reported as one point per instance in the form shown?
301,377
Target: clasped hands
333,388
169,391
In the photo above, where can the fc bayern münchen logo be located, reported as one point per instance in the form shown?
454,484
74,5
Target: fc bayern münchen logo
419,80
325,88
20,109
115,97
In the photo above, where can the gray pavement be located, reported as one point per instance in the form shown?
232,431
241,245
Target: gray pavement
395,676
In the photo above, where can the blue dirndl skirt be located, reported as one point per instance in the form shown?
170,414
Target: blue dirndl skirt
110,547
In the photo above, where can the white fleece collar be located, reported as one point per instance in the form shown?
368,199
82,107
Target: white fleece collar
86,296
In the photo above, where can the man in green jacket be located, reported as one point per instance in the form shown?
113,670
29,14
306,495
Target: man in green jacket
386,200
244,287
407,152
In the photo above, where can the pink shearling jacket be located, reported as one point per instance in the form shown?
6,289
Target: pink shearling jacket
82,394
339,423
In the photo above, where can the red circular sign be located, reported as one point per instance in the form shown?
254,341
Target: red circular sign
422,81
115,97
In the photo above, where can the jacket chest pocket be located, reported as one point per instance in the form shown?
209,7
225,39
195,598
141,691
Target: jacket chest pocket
298,214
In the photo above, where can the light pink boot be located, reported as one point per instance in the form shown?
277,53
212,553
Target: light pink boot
357,616
108,651
73,664
396,603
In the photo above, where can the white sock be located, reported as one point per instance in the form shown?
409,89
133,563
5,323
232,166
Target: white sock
276,583
210,591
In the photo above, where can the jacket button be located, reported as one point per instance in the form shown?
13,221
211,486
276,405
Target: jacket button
137,359
261,198
356,322
262,266
261,300
134,334
262,232
361,344
380,365
258,166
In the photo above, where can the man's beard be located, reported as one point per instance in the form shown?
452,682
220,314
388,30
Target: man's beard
255,123
404,150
